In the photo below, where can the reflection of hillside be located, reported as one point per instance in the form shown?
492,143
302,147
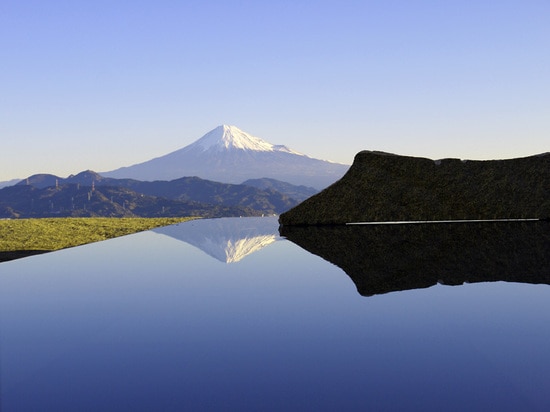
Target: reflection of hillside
387,258
227,239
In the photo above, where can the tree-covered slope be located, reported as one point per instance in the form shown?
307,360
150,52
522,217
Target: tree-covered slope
75,200
187,189
299,193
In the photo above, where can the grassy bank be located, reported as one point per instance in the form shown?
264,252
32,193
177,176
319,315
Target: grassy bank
59,233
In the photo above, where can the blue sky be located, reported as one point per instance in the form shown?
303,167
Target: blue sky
103,84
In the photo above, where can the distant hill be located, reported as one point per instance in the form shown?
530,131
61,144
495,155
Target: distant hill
85,178
26,201
227,154
299,193
385,187
245,199
40,181
9,183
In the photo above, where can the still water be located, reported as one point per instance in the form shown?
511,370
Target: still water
226,314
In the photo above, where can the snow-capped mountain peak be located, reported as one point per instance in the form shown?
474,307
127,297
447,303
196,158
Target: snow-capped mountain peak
230,137
229,155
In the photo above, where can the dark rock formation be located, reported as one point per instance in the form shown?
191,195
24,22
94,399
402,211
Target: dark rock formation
383,187
388,258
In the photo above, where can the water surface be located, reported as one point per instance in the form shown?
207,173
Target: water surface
152,321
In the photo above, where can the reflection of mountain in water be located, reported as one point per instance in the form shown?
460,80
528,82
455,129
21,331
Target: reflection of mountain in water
227,239
387,258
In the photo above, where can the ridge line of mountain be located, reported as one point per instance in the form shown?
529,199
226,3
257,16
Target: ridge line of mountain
48,195
229,155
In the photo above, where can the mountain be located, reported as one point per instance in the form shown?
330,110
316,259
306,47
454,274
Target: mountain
196,189
299,193
188,189
9,183
382,187
86,178
40,181
227,240
75,200
227,154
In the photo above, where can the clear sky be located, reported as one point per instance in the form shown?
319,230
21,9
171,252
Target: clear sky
103,84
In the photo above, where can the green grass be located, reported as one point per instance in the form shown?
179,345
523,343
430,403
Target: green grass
60,233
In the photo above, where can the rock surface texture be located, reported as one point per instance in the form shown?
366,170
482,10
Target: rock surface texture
382,187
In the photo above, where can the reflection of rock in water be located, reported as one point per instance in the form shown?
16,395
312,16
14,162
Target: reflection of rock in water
227,239
387,258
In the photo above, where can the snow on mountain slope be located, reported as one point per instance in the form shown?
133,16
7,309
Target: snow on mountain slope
227,154
230,137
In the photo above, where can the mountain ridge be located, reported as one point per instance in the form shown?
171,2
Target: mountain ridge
270,199
229,155
75,200
7,183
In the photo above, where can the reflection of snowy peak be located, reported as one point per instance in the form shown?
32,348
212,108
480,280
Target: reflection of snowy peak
235,250
227,239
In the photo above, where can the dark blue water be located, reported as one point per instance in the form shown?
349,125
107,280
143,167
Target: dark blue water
160,321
